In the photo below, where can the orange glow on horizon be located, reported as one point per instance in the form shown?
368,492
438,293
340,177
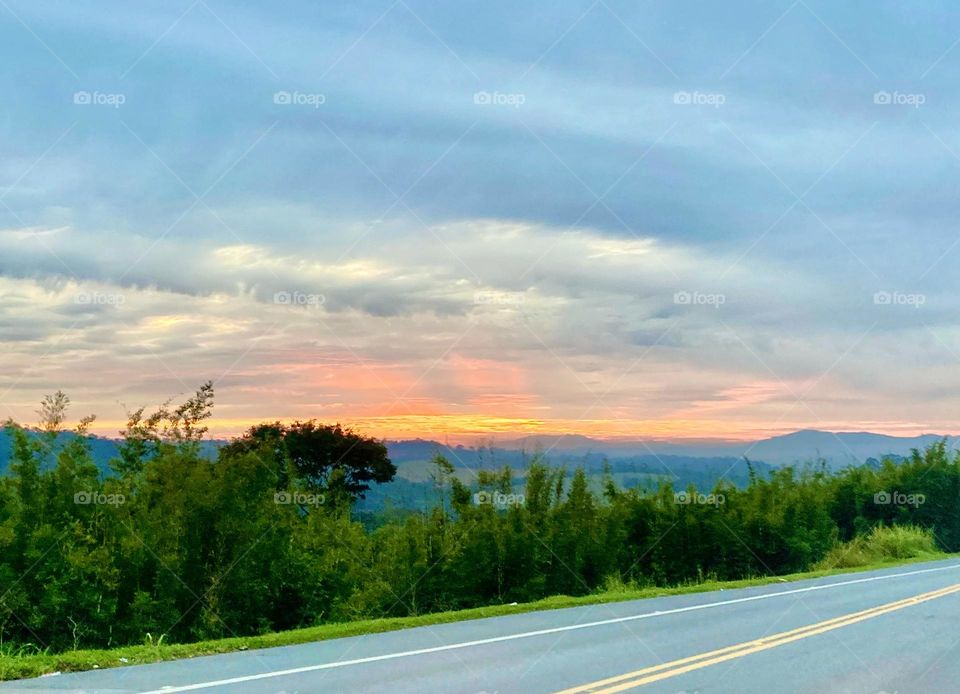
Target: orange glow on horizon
467,428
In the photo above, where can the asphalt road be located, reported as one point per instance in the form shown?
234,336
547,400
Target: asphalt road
895,630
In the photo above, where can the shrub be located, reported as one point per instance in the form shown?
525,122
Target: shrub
881,544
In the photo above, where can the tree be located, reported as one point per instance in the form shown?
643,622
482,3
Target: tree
145,436
325,458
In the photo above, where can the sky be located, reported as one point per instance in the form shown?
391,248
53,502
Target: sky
654,219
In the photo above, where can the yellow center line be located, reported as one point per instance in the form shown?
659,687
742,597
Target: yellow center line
655,673
701,656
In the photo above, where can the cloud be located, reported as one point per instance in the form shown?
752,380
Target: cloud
404,328
636,212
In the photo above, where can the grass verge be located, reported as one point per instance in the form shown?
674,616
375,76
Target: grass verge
882,544
17,666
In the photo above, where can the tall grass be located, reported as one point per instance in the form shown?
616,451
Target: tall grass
882,544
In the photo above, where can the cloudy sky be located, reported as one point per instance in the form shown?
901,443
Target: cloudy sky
656,218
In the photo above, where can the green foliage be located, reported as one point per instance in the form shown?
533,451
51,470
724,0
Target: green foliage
326,459
882,544
174,548
31,661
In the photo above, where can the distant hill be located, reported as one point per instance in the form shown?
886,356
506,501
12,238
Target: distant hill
642,464
841,448
102,449
837,448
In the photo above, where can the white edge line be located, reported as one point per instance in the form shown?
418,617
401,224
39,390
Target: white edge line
528,634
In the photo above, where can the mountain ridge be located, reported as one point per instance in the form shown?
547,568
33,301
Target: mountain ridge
837,448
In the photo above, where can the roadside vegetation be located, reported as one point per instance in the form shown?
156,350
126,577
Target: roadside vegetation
174,553
883,544
28,661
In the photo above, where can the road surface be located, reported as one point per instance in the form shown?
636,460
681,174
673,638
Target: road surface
894,630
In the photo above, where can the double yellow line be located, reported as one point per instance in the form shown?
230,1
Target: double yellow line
655,673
